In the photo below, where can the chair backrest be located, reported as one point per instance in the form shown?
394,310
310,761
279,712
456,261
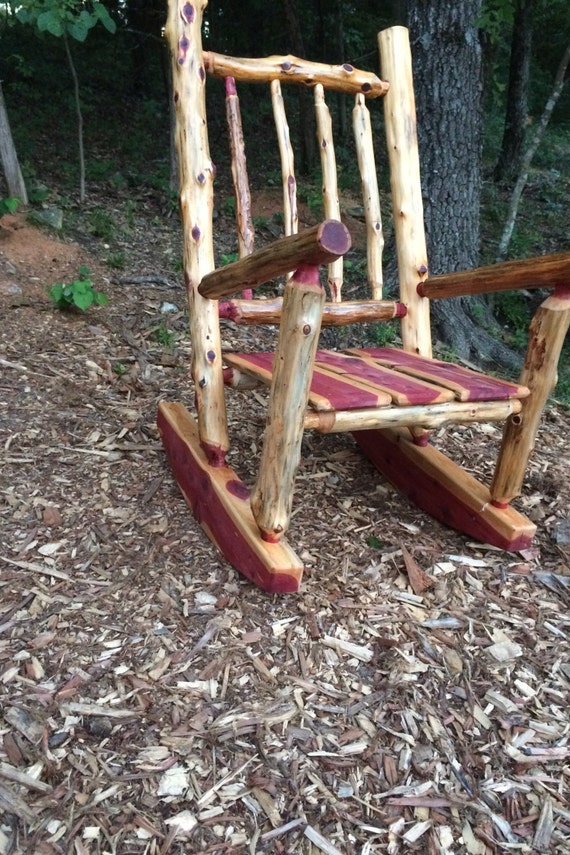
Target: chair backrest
192,68
275,73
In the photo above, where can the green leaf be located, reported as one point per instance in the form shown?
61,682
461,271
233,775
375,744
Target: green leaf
56,292
82,299
50,22
103,15
78,31
101,299
9,205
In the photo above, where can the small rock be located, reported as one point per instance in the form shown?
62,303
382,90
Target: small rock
561,532
167,308
9,289
52,217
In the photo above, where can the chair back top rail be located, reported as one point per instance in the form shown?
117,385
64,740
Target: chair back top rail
340,78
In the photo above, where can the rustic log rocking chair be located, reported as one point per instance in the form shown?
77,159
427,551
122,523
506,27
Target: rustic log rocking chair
389,398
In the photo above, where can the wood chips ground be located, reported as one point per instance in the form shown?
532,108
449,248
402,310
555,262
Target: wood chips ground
412,698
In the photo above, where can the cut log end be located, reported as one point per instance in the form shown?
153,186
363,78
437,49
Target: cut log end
334,237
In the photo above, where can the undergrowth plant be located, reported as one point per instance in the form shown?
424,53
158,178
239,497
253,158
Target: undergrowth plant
79,294
8,205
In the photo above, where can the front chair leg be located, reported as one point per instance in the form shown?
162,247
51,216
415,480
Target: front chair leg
546,338
294,360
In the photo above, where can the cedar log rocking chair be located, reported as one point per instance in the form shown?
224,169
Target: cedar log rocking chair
389,398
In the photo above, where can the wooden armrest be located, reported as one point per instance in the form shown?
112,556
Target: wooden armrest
341,78
320,244
545,271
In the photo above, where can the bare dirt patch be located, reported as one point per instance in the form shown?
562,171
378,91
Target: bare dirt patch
154,702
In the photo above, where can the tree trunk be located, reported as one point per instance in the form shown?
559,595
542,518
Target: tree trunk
448,83
512,147
529,154
10,165
79,114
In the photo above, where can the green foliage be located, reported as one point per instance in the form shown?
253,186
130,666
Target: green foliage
313,198
163,335
229,207
513,310
65,17
79,294
102,224
116,260
384,333
496,17
228,258
9,205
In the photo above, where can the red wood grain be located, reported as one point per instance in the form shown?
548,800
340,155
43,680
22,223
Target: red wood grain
423,482
472,386
195,479
333,394
405,390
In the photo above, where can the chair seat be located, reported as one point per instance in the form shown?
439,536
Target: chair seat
384,377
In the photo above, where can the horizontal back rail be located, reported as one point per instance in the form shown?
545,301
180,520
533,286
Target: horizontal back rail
339,78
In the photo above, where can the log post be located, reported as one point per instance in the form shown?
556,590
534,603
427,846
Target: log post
403,155
370,196
331,204
183,31
288,180
246,233
546,337
272,497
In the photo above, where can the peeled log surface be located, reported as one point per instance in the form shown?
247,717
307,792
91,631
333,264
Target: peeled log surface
339,78
287,158
421,418
272,496
540,371
547,271
407,204
246,234
184,35
334,314
220,503
362,128
320,244
439,486
331,204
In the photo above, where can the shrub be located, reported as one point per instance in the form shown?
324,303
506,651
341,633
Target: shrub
79,294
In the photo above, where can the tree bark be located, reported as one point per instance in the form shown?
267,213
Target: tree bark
10,164
512,147
448,82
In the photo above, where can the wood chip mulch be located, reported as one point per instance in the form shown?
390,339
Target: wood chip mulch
412,698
